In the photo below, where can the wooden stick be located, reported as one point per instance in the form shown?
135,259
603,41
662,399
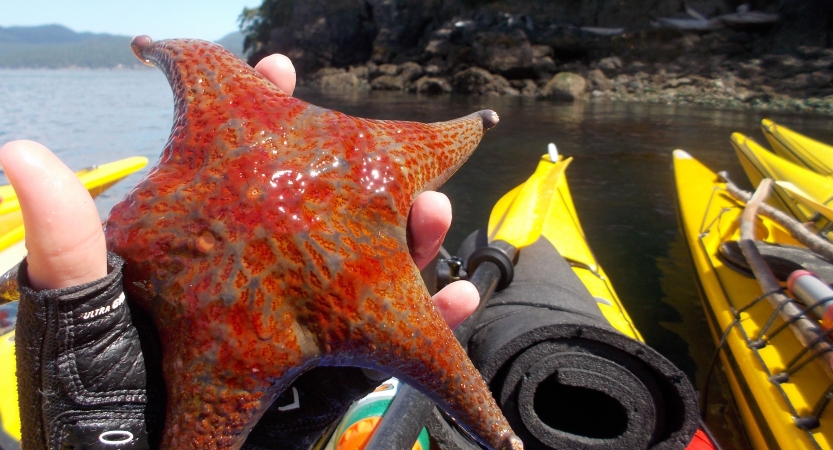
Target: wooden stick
806,330
800,232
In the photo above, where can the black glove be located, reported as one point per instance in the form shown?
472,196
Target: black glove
88,369
83,381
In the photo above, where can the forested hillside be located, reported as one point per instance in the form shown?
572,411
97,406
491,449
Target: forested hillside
56,46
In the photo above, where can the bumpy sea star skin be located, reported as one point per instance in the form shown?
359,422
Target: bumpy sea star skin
270,238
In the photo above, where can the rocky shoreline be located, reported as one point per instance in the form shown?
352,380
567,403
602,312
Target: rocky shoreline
550,51
771,82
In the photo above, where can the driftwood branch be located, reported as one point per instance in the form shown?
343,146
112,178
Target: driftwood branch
806,330
797,229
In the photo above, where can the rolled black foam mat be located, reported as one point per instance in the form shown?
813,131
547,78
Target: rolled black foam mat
564,377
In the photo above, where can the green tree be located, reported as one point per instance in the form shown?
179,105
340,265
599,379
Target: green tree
257,23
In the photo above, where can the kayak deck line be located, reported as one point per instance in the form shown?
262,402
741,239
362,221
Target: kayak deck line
777,383
757,341
748,409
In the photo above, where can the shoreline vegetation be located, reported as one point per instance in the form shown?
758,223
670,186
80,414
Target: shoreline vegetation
58,47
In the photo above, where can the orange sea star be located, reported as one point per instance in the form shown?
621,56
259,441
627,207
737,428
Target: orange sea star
270,238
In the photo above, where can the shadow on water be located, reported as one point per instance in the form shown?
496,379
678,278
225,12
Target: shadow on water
621,179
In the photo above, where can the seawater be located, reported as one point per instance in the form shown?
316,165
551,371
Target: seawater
621,178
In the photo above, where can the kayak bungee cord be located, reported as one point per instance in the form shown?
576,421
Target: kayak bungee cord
757,342
721,346
806,330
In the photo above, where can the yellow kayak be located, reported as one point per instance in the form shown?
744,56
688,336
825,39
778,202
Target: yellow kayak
799,149
9,417
96,179
770,410
759,163
563,229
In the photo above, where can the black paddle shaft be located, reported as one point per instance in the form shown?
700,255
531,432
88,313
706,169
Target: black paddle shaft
409,410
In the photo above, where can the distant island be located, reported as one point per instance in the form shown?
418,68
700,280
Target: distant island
57,47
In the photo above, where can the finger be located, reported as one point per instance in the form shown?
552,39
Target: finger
457,301
427,225
63,231
279,70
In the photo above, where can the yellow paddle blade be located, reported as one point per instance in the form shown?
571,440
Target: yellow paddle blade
806,199
520,223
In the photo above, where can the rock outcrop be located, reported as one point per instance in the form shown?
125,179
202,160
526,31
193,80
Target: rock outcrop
559,50
565,86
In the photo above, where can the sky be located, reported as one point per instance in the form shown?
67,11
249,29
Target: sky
159,19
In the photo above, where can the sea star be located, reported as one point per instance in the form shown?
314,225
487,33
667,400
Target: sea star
270,238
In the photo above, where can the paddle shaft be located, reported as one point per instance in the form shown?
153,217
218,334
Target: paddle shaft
409,410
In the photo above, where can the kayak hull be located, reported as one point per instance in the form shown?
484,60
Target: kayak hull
799,149
759,163
709,216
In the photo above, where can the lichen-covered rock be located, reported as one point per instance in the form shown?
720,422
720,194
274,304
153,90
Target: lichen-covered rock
392,77
476,80
781,66
432,85
433,70
598,80
387,69
509,54
388,83
526,87
410,71
611,64
565,86
343,82
339,80
361,72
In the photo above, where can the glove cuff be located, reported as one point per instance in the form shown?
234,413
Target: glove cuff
81,375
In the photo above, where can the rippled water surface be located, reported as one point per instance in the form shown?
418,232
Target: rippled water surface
621,178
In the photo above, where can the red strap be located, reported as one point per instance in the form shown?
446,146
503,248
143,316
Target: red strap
700,442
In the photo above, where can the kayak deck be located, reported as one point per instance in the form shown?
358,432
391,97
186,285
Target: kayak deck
738,315
799,149
759,163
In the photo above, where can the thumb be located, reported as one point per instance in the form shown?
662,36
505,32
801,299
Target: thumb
63,231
